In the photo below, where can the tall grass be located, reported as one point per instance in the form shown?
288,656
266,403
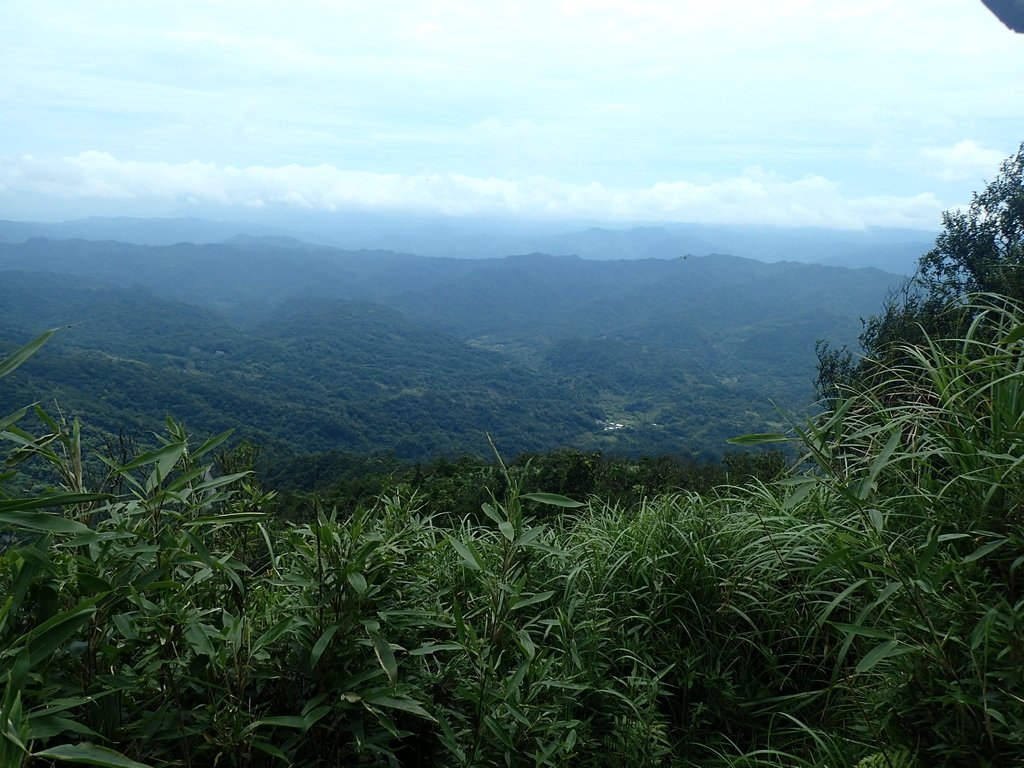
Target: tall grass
930,459
865,610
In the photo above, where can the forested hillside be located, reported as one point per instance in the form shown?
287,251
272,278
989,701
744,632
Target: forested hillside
316,374
310,348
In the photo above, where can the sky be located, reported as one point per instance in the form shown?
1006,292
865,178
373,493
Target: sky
784,112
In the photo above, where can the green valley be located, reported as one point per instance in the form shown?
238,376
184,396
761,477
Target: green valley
307,348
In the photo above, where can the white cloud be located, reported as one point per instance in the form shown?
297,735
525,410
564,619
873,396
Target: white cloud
754,197
964,160
626,92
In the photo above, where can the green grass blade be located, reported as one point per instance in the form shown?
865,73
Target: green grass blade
8,364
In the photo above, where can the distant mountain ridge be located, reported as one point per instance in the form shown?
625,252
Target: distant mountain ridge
891,250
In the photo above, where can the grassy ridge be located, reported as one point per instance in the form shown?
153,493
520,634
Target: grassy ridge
868,607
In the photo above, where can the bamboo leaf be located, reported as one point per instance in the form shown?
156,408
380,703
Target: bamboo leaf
801,493
385,655
165,464
880,462
461,628
554,500
321,645
283,721
358,582
198,637
270,749
47,726
517,678
492,513
53,633
531,600
857,629
983,550
313,716
529,535
41,521
218,482
996,715
759,438
982,628
89,754
18,673
125,626
880,653
429,648
7,421
526,644
1013,336
886,592
229,518
9,363
837,600
212,443
47,420
876,519
468,553
451,742
406,705
50,500
165,458
274,632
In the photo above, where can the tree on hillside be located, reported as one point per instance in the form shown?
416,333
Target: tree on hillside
980,250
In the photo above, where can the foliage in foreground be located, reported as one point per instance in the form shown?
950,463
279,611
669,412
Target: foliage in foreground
867,609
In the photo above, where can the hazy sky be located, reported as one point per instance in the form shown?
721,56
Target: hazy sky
791,112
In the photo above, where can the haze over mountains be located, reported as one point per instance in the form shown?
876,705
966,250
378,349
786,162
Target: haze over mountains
636,348
888,249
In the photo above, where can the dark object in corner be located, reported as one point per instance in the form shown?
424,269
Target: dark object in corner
1010,12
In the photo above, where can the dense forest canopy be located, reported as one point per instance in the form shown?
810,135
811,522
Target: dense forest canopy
308,348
